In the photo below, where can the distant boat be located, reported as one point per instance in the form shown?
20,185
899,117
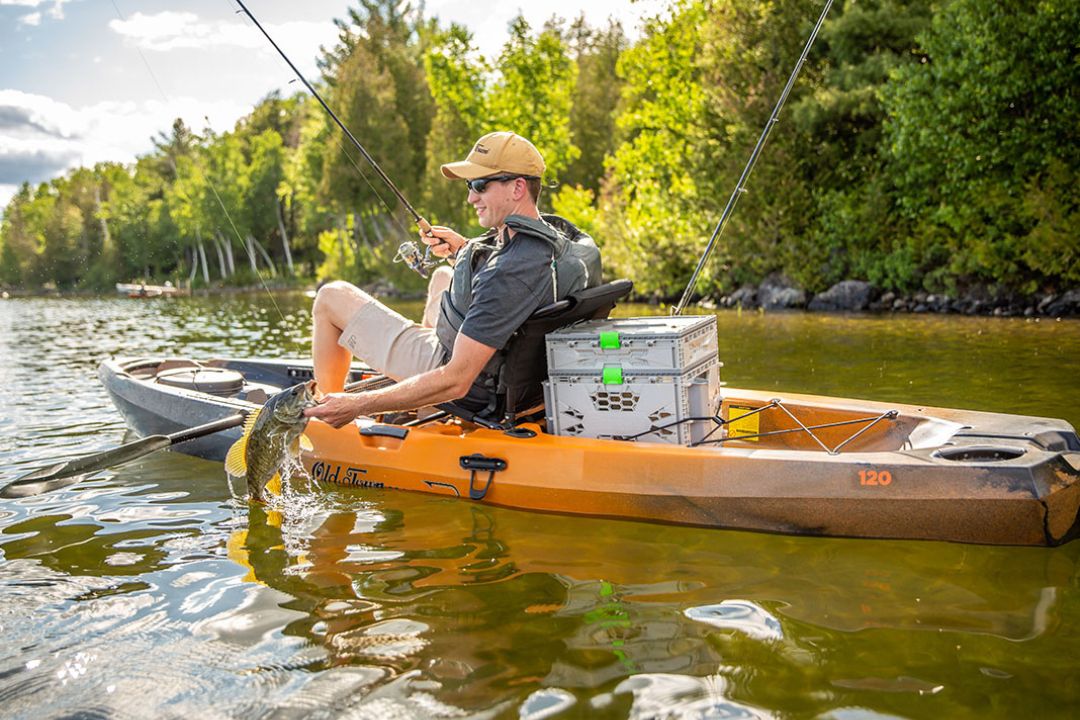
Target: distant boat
142,290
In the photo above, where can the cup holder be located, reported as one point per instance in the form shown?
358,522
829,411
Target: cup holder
979,453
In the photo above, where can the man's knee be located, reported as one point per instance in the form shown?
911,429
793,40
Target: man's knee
337,301
440,279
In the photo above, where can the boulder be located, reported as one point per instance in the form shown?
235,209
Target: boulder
778,293
746,297
846,296
1067,304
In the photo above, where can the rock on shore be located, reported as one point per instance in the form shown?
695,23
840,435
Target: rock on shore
778,293
846,296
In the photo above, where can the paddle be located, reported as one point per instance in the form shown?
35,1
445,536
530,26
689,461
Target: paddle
69,472
72,471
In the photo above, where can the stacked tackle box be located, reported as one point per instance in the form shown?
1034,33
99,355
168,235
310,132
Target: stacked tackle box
633,378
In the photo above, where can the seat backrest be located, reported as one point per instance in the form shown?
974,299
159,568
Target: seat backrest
524,365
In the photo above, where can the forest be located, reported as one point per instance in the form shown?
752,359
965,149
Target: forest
925,147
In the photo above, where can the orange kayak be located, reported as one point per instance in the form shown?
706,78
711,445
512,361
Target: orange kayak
787,463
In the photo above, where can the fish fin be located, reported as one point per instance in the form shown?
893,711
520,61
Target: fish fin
236,460
273,485
306,444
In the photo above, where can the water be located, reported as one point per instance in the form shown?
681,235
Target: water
151,591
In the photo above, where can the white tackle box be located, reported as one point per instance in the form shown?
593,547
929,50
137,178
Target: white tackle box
635,379
645,343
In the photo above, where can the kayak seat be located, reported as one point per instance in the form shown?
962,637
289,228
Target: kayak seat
524,368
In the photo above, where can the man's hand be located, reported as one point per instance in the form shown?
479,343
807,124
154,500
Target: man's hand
443,241
336,409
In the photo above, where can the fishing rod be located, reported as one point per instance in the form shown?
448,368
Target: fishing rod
740,185
408,250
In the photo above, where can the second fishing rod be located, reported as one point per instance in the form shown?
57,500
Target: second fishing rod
408,250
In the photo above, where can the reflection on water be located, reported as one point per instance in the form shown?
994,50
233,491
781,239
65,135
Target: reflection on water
152,591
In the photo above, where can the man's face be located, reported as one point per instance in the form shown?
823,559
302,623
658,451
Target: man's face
498,200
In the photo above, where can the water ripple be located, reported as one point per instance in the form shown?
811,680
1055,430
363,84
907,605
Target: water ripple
740,615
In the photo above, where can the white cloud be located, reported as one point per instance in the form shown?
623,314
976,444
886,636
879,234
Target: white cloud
6,193
56,11
169,30
41,138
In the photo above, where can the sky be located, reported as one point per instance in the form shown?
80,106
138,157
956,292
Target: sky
84,81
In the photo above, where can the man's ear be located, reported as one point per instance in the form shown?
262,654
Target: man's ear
521,188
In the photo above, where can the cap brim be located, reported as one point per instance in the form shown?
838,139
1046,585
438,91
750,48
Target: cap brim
465,170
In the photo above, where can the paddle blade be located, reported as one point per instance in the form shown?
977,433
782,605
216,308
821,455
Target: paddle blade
25,488
45,479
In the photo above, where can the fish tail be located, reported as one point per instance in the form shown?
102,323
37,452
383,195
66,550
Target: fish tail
272,487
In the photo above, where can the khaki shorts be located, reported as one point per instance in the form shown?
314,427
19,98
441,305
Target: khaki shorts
391,343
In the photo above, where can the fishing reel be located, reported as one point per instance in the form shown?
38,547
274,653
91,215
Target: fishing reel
409,253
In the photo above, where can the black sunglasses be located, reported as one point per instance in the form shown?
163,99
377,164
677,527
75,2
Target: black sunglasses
479,185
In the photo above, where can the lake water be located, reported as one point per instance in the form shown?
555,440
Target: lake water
151,591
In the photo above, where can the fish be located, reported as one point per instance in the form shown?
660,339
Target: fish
272,436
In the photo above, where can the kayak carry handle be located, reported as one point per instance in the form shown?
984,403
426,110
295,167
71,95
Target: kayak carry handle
481,463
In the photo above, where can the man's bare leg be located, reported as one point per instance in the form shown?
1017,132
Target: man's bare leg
437,285
335,304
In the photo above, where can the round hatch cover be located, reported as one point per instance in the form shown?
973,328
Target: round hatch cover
215,381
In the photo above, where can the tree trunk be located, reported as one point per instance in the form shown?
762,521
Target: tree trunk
265,255
222,267
194,265
202,254
361,230
106,239
376,229
284,238
228,252
250,248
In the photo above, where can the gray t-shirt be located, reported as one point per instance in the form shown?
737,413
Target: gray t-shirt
509,285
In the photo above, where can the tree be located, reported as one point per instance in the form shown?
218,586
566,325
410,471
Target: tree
456,79
534,92
595,99
976,151
18,247
650,204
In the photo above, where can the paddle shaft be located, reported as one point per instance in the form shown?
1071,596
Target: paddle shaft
71,471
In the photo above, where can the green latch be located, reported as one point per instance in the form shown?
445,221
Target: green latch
609,340
612,375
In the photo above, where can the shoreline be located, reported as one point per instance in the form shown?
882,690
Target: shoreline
774,294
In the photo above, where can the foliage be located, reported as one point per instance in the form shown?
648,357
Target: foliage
984,176
924,146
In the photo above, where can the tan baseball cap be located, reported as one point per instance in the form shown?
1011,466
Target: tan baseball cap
498,152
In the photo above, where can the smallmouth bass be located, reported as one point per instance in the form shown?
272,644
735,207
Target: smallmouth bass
272,436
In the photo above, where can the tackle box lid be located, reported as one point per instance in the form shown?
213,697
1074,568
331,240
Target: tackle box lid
656,327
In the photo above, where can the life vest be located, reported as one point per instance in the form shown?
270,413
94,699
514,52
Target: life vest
575,265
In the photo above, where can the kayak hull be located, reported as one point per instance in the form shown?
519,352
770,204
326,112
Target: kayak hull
930,473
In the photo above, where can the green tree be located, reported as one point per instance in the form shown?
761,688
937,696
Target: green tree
595,100
986,182
534,93
650,204
18,246
455,75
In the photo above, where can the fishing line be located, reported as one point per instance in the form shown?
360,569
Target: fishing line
408,251
740,186
205,176
421,222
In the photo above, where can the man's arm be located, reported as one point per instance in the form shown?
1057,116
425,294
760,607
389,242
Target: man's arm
443,384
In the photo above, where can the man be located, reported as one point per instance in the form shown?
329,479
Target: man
521,264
